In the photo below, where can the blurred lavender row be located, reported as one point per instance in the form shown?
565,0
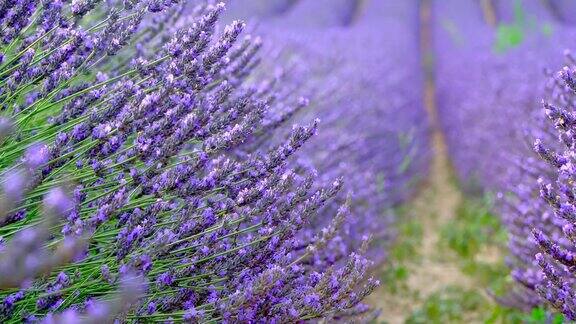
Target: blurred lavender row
491,79
364,59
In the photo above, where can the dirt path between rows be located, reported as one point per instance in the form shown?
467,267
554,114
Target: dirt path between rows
434,207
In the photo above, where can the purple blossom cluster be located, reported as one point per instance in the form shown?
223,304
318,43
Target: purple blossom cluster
557,243
151,172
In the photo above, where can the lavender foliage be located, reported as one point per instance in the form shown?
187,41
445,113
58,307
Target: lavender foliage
556,259
150,173
374,131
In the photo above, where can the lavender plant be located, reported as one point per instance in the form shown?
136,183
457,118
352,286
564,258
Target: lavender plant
490,117
141,180
262,9
555,280
357,105
481,123
375,130
304,13
528,13
563,10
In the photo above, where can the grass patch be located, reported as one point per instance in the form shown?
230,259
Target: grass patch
457,305
404,252
477,240
449,305
474,229
513,34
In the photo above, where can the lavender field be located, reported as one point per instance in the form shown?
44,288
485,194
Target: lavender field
287,161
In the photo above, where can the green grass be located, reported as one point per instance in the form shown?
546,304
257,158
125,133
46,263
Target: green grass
511,35
474,231
457,305
449,305
404,251
473,234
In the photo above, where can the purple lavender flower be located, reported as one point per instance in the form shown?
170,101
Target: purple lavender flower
554,237
185,168
36,155
5,127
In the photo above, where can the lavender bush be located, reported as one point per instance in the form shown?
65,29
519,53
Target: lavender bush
479,108
142,180
491,115
555,282
531,13
563,10
299,13
375,130
381,111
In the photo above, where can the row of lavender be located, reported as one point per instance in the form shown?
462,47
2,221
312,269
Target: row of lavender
376,126
489,100
151,172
